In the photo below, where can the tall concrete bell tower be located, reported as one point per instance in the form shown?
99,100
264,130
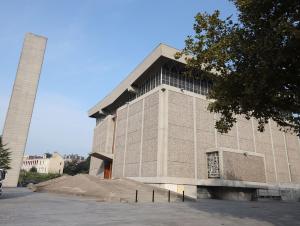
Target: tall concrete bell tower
21,103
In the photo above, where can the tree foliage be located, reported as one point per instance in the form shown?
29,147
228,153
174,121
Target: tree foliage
33,177
254,63
4,156
75,167
33,169
48,155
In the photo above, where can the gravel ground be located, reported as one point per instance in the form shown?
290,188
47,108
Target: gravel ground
20,206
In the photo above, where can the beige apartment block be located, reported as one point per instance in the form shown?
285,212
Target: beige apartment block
154,127
21,103
53,164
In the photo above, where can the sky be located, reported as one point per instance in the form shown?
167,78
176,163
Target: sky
92,46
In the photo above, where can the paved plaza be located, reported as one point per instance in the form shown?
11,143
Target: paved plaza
23,207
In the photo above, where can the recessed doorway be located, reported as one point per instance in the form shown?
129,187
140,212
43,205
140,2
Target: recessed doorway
107,169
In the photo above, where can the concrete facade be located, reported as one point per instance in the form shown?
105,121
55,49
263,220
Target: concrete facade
21,104
166,137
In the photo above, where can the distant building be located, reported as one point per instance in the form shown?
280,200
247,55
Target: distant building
73,157
54,164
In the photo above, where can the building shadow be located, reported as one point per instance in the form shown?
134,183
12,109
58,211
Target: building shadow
278,213
275,212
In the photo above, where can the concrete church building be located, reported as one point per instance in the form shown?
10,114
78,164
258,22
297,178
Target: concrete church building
154,127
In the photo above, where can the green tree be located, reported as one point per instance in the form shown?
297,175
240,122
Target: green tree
83,166
254,63
75,167
4,156
48,155
33,177
33,169
70,167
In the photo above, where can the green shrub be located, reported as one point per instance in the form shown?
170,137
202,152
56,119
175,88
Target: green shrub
34,177
33,169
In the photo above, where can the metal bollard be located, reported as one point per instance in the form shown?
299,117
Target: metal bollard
136,195
169,196
182,196
153,195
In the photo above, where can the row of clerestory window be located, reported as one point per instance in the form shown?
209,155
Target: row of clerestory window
174,78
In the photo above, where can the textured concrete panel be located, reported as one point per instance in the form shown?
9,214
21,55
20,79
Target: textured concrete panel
228,140
180,136
149,150
293,151
175,112
264,146
150,136
245,133
96,167
103,136
120,141
280,154
238,166
178,155
132,154
151,100
132,169
132,157
21,104
149,169
205,136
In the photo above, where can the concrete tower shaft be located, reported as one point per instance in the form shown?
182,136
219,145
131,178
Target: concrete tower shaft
21,103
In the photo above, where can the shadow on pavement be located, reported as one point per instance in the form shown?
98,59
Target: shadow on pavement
11,193
277,213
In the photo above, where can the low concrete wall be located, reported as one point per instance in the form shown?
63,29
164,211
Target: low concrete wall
227,193
290,195
96,167
281,194
189,190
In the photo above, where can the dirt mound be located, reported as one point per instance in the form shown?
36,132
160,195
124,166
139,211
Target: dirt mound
115,190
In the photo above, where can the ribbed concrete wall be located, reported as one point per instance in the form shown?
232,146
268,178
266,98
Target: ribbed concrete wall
150,136
238,166
120,141
103,136
205,135
191,129
135,152
293,144
133,145
96,167
102,143
165,135
21,104
245,134
280,155
180,136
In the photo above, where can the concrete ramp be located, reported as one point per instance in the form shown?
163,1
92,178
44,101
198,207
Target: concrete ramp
115,190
